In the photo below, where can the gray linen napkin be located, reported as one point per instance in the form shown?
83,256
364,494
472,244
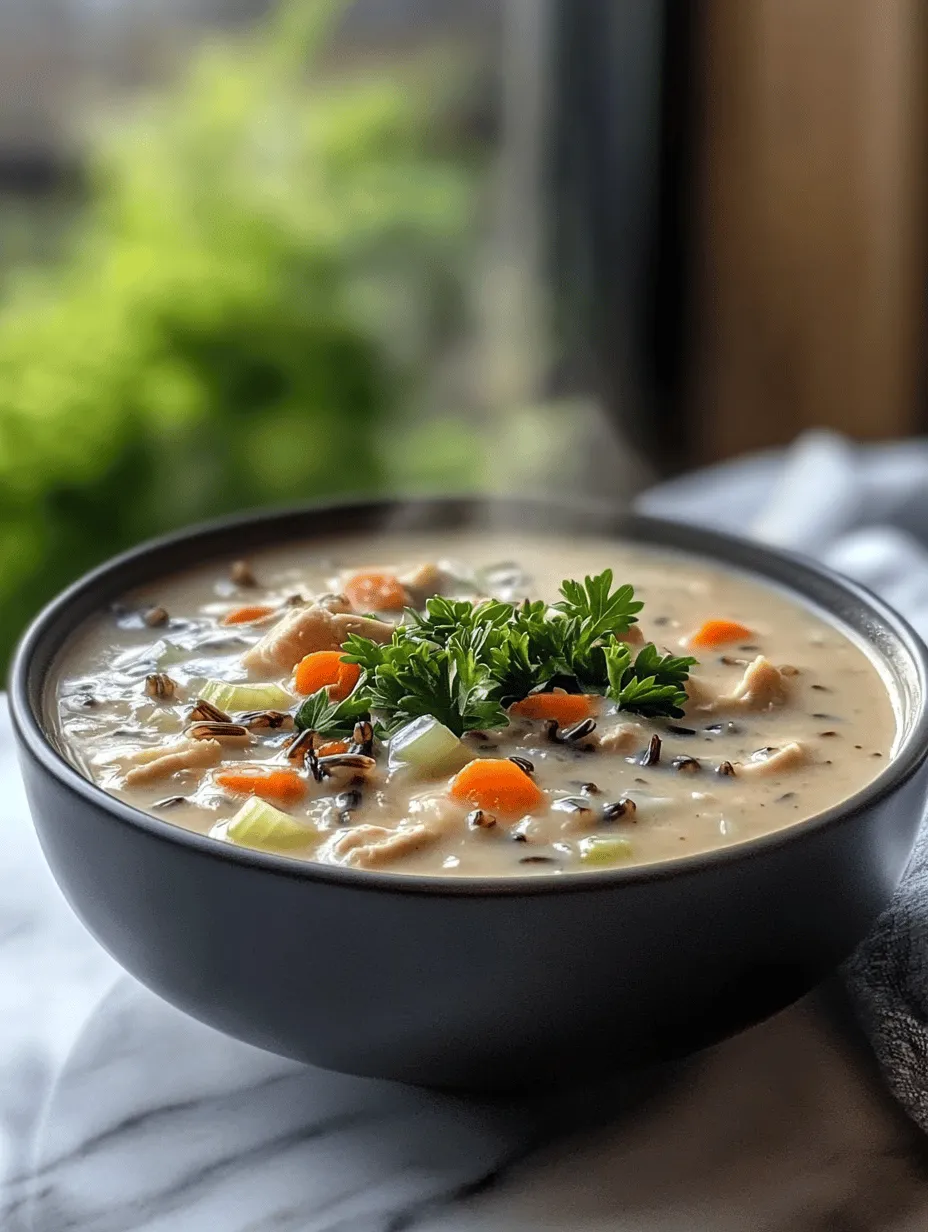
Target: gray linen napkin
864,512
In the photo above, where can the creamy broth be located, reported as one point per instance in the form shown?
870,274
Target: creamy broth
796,714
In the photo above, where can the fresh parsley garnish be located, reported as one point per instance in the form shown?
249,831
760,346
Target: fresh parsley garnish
464,663
535,649
319,714
651,685
449,683
444,619
598,608
595,615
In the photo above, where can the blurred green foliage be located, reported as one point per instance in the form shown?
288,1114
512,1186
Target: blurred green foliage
269,256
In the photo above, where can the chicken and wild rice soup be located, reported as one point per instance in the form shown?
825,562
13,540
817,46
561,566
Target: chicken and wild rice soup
492,706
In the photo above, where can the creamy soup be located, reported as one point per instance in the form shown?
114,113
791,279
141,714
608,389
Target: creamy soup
219,700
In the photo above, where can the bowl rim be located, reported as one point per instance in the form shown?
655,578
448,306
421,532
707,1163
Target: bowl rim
814,584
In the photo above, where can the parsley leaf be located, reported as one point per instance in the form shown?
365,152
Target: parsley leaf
329,718
598,608
535,649
449,683
514,670
444,619
594,615
448,678
652,686
367,654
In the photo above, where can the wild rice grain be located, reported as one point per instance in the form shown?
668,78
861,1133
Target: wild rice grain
479,819
686,765
216,731
205,712
652,754
160,685
241,574
267,720
362,739
620,810
298,749
155,617
572,734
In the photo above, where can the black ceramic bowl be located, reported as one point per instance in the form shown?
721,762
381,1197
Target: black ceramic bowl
467,982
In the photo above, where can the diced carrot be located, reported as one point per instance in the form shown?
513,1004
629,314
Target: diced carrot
326,669
376,592
567,708
719,633
498,785
244,615
282,785
332,747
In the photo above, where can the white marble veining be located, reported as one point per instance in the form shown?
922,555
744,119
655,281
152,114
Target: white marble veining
119,1114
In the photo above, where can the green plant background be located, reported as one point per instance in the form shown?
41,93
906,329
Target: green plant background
269,259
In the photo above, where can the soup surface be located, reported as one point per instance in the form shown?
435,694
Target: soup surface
785,715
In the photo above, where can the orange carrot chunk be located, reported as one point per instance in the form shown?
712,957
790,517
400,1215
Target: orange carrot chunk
719,633
498,785
282,785
244,615
376,592
332,747
325,669
566,708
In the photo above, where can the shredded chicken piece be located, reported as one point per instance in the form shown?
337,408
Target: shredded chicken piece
437,812
334,602
372,846
424,581
307,629
763,685
364,626
699,696
154,764
622,739
789,757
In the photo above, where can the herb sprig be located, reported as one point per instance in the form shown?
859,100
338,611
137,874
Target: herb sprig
320,714
415,678
599,609
652,685
464,663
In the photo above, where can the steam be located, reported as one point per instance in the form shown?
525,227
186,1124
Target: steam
527,443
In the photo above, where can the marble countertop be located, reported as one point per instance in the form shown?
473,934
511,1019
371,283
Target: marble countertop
119,1114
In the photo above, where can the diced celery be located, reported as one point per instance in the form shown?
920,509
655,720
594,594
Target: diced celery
597,850
237,697
258,824
149,658
427,746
